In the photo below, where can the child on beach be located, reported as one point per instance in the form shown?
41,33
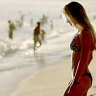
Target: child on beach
43,35
82,45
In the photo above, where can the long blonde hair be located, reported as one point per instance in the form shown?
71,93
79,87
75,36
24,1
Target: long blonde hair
76,11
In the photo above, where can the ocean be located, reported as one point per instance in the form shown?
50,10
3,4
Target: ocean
17,58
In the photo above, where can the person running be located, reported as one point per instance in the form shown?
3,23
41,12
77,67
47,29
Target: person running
82,45
37,35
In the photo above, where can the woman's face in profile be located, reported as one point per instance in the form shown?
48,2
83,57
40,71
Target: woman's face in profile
68,20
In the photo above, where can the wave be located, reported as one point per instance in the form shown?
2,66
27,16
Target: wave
7,47
52,40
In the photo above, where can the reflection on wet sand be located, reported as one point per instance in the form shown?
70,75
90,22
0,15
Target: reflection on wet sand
39,57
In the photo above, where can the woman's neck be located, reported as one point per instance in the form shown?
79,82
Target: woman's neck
79,28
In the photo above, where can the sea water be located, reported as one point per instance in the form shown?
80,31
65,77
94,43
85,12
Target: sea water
17,57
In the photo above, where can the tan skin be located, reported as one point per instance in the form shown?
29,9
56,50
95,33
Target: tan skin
83,57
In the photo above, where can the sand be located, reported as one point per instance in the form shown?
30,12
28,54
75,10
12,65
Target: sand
52,80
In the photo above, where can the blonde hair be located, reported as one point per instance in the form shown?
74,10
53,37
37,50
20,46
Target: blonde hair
76,11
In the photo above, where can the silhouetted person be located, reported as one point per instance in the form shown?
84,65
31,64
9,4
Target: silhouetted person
37,35
11,29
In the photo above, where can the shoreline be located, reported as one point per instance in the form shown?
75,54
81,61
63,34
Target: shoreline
51,81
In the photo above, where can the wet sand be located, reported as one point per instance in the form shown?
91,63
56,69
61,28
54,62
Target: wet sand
52,80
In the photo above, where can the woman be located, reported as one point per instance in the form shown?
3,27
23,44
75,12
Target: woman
83,45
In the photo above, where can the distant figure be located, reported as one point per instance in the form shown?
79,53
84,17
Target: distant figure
51,25
37,36
31,21
42,35
11,29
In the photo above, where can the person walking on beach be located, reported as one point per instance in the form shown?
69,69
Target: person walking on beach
11,29
36,35
82,45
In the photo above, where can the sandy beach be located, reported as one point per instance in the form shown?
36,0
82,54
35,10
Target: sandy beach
52,80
